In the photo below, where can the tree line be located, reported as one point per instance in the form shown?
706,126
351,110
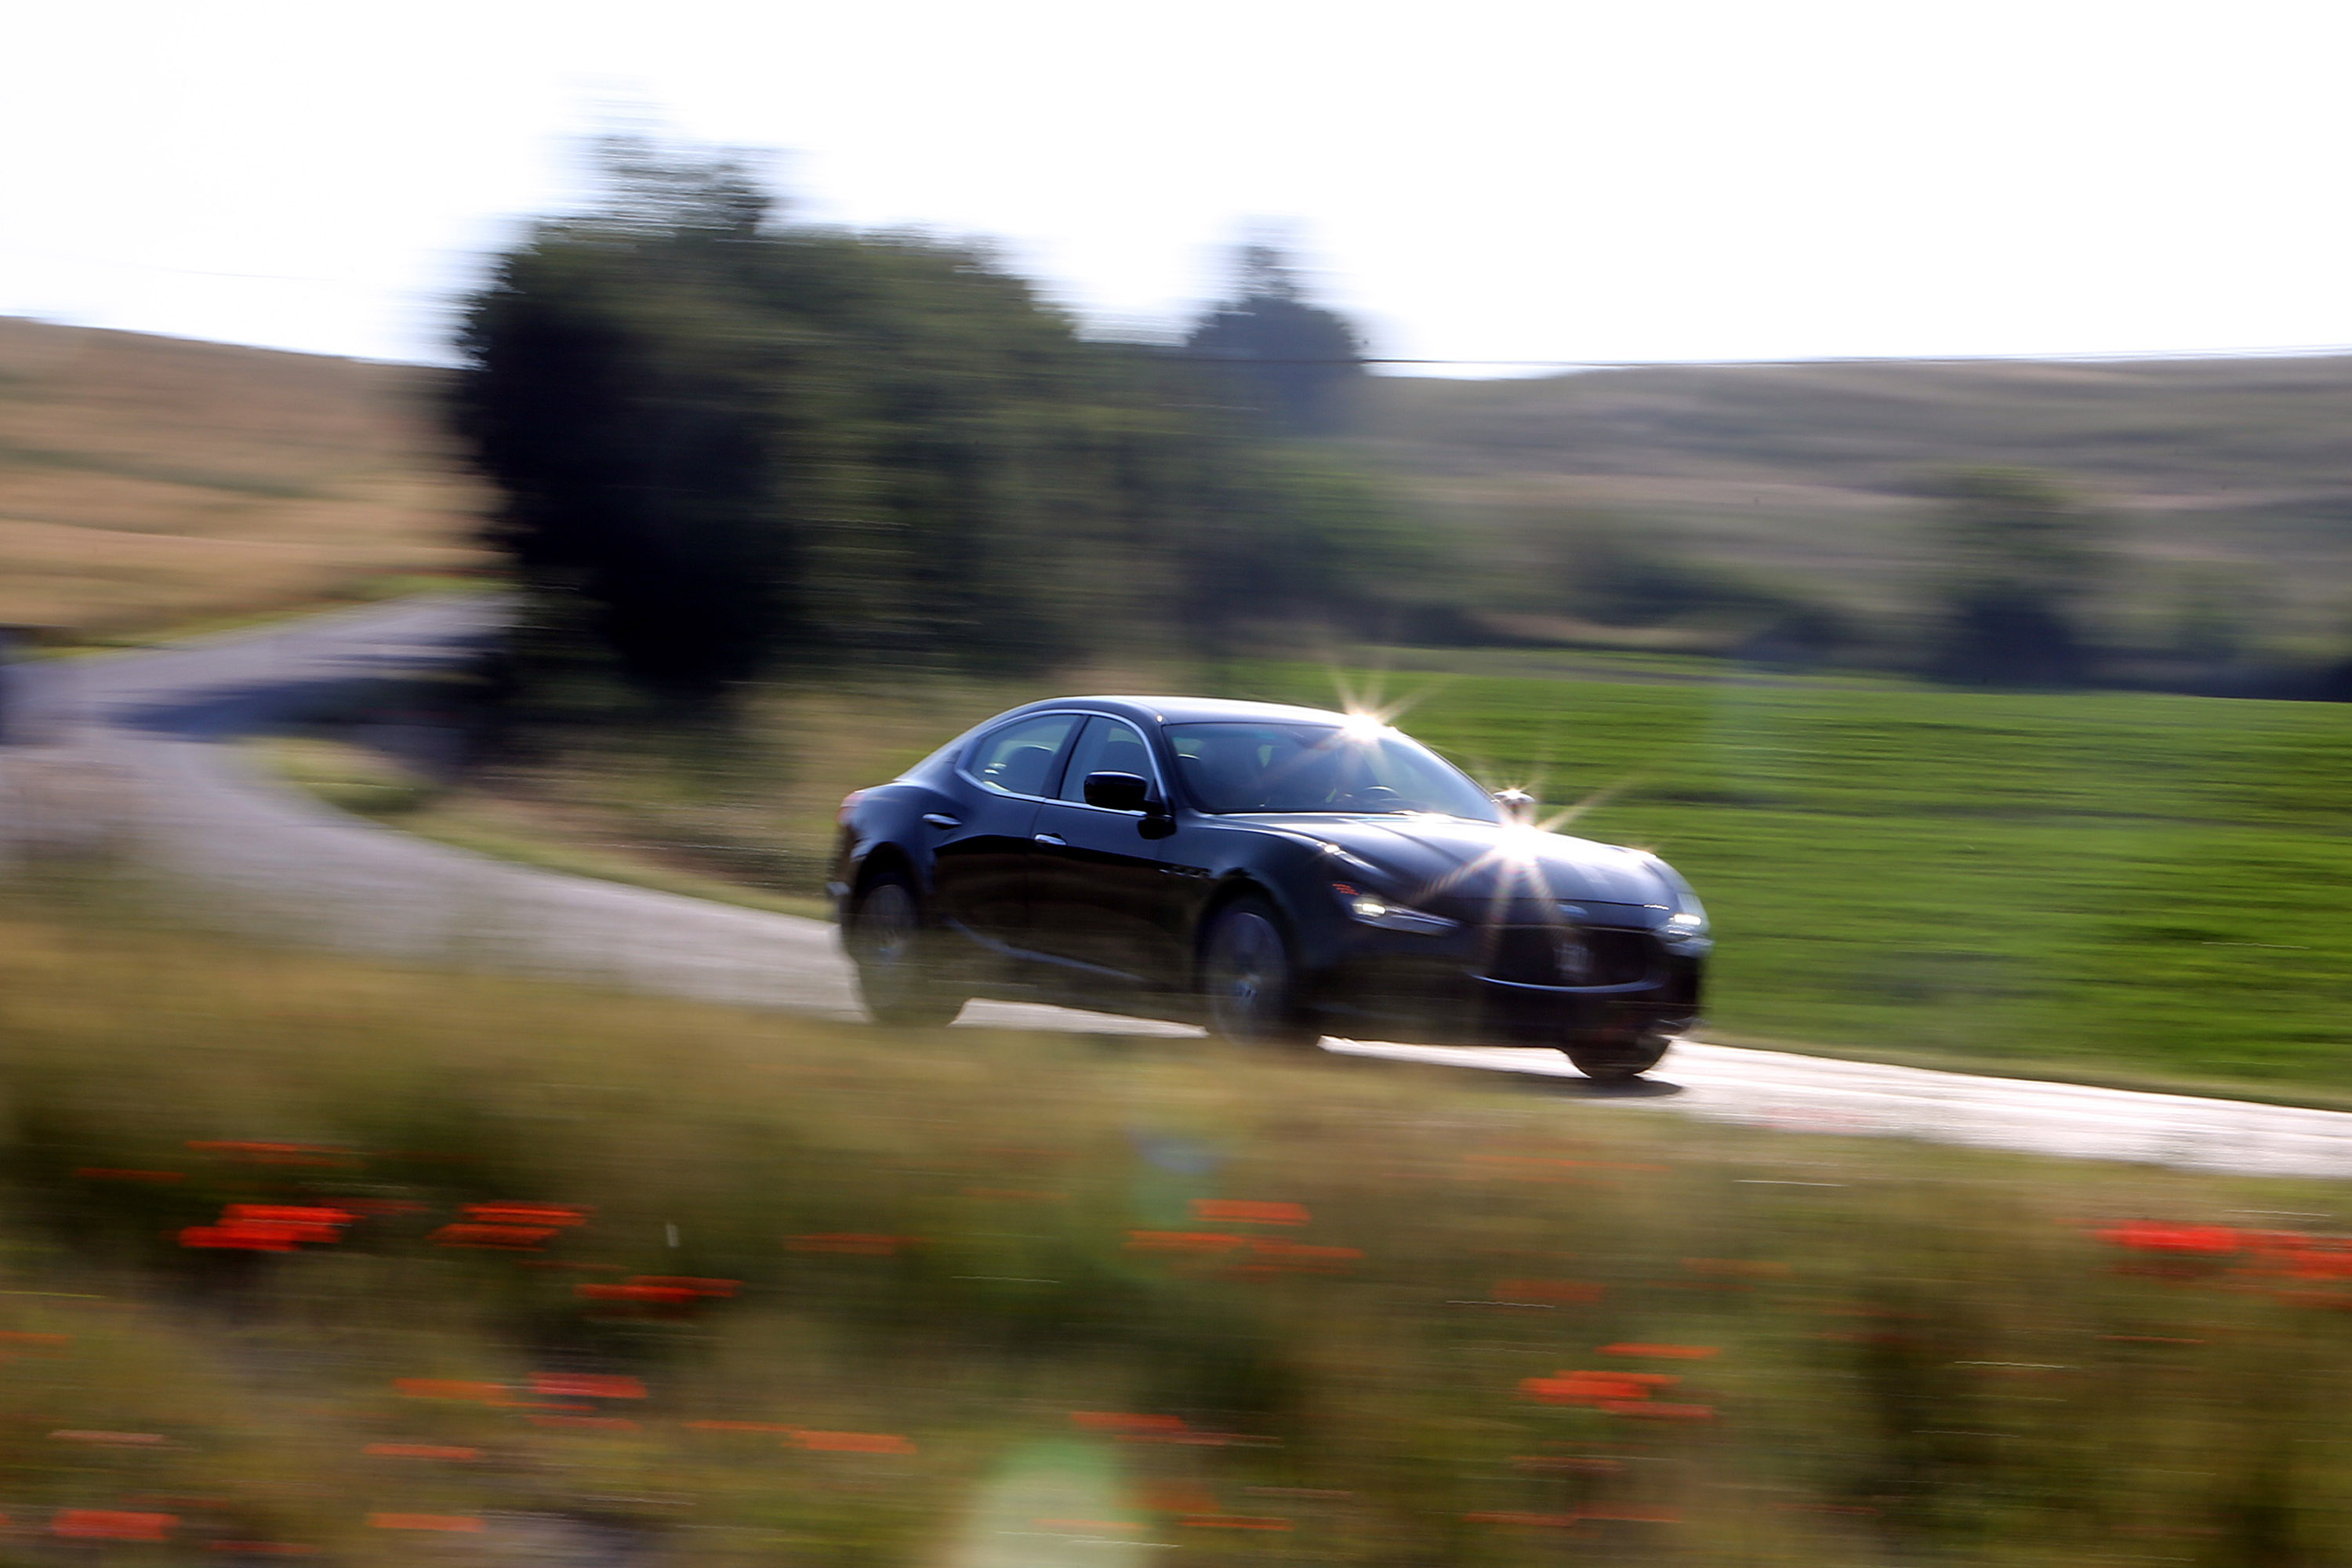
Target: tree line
728,445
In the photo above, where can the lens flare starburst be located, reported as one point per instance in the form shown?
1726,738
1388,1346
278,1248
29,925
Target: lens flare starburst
1515,866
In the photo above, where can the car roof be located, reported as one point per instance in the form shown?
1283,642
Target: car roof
1191,709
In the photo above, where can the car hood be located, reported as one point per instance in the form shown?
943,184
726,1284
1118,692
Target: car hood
1450,865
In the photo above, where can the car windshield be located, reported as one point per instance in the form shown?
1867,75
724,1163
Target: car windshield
1236,767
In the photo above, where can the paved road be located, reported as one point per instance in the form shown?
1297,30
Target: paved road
137,749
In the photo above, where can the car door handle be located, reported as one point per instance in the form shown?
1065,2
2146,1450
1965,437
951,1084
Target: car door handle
941,819
1055,839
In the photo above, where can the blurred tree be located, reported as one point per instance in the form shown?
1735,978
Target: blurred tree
2331,682
2021,553
1638,572
1293,361
723,443
2215,614
616,395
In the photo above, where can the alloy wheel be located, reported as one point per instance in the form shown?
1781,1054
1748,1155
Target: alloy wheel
894,964
1248,981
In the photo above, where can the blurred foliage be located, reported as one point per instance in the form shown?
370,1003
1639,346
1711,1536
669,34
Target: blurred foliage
727,445
847,1297
2021,553
1296,363
1594,572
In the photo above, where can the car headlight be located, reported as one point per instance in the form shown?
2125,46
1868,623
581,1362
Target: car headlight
1685,929
1372,909
1682,927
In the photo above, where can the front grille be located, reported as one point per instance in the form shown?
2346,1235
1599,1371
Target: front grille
1567,955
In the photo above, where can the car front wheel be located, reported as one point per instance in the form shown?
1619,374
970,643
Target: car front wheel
1619,1061
1249,983
898,978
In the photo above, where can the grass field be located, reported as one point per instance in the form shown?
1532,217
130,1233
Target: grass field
305,1255
148,483
2159,882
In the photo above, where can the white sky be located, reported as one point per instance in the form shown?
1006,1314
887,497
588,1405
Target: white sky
1586,180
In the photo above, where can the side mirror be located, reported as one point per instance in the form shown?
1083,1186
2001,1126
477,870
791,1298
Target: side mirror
1117,791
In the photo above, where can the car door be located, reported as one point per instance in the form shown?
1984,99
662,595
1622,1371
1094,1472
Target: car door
1097,895
980,859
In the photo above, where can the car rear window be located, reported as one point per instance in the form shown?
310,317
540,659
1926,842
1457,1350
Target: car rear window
1019,758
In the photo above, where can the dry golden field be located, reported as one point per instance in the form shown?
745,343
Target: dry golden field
150,482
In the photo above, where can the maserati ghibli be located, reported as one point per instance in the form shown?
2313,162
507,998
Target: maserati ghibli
1275,873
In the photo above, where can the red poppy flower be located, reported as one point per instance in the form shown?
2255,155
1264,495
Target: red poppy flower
2164,1236
111,1524
1127,1422
585,1386
1242,1211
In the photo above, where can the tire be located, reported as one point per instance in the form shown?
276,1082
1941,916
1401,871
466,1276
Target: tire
1619,1063
1249,980
895,955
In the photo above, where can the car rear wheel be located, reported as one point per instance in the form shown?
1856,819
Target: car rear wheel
1249,983
899,976
1619,1061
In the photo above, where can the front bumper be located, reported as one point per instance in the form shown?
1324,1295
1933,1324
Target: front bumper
1506,984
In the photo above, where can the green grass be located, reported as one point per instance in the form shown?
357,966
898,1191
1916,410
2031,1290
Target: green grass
2158,884
959,1242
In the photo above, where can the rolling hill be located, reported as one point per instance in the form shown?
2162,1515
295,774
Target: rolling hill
147,482
2237,471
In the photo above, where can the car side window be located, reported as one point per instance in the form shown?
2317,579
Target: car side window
1108,746
1019,758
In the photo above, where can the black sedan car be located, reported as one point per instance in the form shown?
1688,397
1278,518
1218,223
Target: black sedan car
1274,873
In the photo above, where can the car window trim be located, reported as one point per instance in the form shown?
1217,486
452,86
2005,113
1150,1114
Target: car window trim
1061,753
1159,784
